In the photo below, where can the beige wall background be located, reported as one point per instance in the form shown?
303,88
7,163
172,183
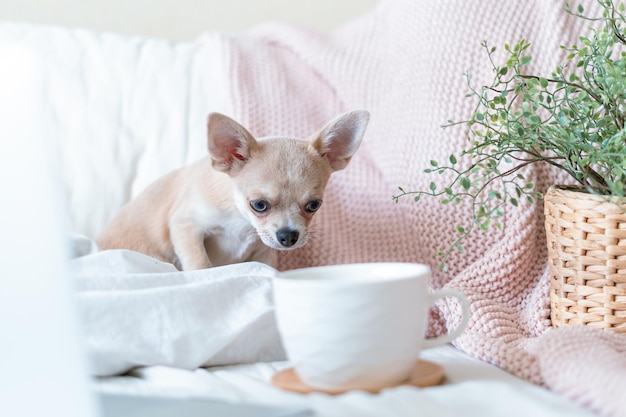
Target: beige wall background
182,19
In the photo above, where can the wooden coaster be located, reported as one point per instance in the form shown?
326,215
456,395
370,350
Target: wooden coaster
424,374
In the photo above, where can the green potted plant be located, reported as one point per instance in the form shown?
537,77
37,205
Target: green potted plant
575,120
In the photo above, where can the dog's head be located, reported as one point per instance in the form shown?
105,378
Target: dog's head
279,182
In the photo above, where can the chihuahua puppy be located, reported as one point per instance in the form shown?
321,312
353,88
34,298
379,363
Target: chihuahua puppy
246,198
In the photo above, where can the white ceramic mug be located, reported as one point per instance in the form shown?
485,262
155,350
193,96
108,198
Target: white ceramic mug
358,326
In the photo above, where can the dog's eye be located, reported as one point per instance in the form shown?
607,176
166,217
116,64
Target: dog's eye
260,206
312,206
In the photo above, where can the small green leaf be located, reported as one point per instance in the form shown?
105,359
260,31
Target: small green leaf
465,183
460,229
453,159
432,186
434,163
417,198
493,195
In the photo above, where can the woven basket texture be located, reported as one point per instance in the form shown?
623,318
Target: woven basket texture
586,236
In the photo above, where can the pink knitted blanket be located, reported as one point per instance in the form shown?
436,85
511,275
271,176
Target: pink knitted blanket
405,62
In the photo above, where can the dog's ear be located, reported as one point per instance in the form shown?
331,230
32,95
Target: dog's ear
229,143
341,137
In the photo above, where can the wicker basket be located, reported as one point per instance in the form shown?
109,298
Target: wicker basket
586,238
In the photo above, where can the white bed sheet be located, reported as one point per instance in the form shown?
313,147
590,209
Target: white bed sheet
470,388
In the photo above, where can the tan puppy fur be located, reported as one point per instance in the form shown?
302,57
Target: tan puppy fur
246,198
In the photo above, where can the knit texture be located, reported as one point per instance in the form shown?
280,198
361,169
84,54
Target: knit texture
404,62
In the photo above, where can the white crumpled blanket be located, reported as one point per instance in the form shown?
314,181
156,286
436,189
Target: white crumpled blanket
138,311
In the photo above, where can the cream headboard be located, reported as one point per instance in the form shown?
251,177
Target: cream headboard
182,19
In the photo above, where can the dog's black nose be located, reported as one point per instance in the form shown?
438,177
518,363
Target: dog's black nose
287,237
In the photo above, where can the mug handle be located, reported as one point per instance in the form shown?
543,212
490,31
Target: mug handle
447,338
